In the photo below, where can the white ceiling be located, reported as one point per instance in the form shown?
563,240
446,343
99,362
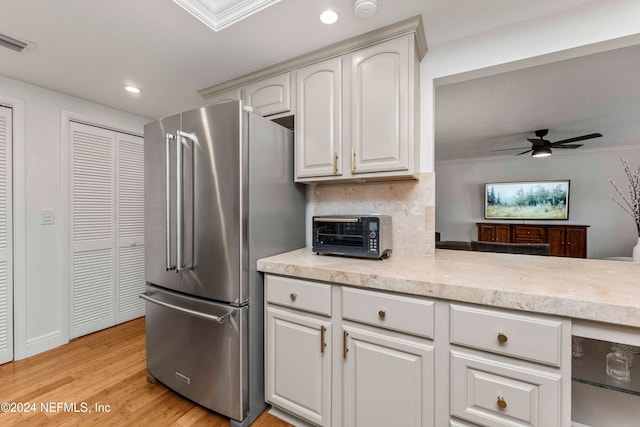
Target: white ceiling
588,94
91,49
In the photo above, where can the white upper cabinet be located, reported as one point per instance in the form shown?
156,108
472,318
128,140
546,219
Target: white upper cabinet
318,127
226,96
355,104
380,114
269,96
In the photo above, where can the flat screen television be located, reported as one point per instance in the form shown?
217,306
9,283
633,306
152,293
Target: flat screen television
545,200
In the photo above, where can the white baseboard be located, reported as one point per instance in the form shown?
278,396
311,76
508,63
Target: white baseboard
44,343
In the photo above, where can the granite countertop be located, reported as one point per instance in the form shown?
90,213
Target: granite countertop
599,290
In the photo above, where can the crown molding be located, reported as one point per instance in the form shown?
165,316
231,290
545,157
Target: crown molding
408,26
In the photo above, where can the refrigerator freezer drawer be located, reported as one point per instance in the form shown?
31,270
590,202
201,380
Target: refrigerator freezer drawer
192,351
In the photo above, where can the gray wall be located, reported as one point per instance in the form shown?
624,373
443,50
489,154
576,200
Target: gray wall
460,194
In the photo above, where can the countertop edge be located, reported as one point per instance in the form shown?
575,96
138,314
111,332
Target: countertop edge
303,267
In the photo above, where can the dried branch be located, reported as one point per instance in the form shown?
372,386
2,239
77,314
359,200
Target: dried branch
630,205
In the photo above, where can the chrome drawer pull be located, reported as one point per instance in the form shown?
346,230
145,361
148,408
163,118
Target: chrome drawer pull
502,338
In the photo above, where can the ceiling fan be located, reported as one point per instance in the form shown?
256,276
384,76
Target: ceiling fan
541,147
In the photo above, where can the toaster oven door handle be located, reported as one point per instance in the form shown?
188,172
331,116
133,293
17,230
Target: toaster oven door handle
336,219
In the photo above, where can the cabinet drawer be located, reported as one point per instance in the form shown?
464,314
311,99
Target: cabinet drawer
523,336
529,234
497,394
299,294
396,312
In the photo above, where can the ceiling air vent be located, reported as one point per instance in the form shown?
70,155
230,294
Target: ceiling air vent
14,43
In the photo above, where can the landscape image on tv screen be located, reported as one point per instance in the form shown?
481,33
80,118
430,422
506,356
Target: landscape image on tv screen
527,200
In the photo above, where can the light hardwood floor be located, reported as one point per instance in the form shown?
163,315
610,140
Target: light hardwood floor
105,368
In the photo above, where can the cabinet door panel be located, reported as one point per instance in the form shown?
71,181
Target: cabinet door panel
486,233
298,373
576,243
556,238
318,119
388,381
503,234
269,96
379,107
226,96
494,233
497,394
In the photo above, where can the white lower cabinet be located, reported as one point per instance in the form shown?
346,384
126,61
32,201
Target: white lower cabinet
498,393
387,380
298,371
350,357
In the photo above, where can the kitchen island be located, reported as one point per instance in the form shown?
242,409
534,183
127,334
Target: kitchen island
472,323
598,290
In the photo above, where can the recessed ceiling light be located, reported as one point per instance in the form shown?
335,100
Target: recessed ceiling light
328,17
132,89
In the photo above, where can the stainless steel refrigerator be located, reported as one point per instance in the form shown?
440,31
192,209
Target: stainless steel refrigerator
219,194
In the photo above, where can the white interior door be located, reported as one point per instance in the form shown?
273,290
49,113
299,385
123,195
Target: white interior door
107,228
130,227
93,247
6,233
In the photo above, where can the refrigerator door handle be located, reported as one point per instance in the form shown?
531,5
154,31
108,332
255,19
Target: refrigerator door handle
218,319
179,204
167,141
180,136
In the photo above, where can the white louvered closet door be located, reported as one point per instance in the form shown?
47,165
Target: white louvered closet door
130,227
92,229
6,233
107,228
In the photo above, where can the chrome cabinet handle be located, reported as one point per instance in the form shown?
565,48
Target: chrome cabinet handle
167,203
219,319
335,163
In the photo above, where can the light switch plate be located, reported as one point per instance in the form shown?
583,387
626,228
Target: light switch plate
48,216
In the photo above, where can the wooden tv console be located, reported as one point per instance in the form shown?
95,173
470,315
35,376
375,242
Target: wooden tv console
565,239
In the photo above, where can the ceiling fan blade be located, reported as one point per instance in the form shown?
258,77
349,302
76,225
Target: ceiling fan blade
507,149
536,141
569,146
577,138
524,152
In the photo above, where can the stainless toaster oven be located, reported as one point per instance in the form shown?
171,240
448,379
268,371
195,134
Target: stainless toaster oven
365,236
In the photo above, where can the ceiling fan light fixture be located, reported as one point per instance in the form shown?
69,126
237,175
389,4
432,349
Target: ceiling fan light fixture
541,152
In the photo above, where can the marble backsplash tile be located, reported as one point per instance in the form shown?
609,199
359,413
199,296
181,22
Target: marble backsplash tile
411,205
